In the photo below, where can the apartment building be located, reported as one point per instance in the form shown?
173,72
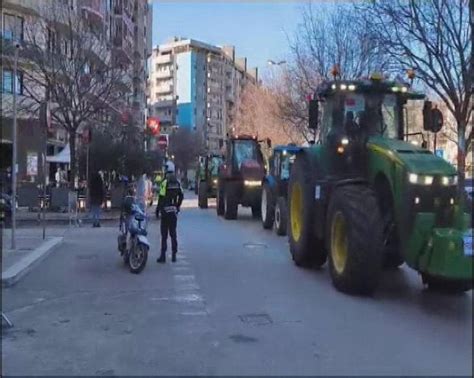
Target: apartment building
124,27
195,85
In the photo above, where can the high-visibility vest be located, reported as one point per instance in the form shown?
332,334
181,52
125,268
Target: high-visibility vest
163,186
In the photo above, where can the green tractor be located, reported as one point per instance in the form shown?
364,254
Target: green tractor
207,175
364,198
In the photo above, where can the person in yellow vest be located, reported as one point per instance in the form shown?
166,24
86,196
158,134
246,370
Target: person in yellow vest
169,203
156,190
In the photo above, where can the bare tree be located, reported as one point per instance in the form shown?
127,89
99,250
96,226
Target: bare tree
258,112
434,38
70,64
185,146
326,37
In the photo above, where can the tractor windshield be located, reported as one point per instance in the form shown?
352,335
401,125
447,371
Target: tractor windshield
378,116
214,166
286,163
369,114
246,150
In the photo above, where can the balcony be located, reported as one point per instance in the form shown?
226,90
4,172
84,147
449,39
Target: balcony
163,59
28,7
122,50
164,104
125,83
164,88
93,11
164,74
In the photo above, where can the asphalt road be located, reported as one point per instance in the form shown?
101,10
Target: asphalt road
234,303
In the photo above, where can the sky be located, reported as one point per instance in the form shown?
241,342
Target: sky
259,30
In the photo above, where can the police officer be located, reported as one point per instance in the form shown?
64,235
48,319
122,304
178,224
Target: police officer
169,203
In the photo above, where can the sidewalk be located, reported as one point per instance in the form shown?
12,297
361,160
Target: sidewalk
31,249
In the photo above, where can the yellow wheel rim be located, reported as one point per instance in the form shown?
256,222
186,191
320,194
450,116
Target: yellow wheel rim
339,245
296,211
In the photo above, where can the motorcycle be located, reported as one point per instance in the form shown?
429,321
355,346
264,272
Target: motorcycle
133,243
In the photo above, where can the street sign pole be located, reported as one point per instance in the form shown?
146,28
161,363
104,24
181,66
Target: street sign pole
14,152
45,121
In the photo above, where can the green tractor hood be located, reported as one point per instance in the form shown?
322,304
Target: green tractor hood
414,158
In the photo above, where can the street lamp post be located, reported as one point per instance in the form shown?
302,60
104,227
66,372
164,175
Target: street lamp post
273,63
14,148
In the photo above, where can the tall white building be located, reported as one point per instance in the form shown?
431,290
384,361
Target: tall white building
195,85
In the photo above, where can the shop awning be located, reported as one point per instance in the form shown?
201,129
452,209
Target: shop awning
63,157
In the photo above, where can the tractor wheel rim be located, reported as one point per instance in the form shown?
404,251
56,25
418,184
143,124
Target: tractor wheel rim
277,217
264,205
296,211
339,243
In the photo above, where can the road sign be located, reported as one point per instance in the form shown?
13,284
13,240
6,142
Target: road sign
439,152
32,164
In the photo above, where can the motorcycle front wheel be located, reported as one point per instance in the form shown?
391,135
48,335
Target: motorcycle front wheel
137,258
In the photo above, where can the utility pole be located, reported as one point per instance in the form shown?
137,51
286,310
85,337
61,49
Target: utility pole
15,148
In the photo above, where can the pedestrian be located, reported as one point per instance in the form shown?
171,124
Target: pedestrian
142,189
58,177
96,197
169,204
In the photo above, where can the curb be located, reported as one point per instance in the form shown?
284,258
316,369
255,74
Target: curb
13,274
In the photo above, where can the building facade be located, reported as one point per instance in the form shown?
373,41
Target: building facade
194,85
123,26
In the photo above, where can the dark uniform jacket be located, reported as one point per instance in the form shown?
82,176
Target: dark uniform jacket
170,196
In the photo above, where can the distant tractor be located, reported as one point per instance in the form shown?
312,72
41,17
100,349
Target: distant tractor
364,197
240,177
274,207
207,174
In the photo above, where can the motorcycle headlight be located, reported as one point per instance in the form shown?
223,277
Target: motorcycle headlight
449,180
416,179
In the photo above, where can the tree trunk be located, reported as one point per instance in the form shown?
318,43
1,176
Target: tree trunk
73,166
461,158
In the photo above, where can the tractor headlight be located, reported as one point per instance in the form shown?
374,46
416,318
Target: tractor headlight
252,183
449,180
413,178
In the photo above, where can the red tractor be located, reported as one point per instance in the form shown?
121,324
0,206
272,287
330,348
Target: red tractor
240,176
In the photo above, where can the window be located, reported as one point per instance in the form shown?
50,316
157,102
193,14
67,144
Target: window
52,40
12,27
8,82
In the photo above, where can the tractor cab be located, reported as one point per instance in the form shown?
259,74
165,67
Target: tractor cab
207,174
243,153
281,161
352,114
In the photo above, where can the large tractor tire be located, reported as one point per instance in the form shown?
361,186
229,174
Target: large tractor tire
281,216
305,248
437,284
231,201
355,239
267,205
220,206
202,195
